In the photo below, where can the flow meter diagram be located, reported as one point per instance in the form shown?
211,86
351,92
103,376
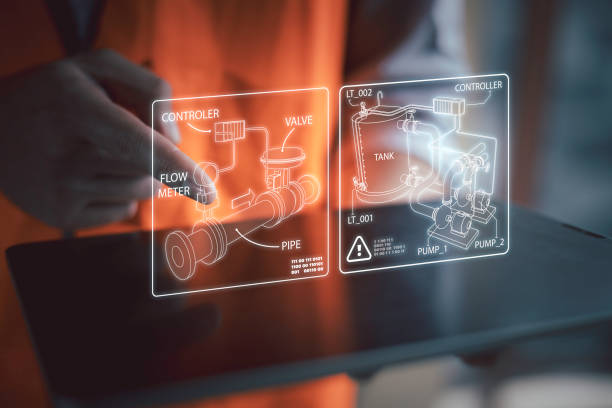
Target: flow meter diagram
424,172
271,202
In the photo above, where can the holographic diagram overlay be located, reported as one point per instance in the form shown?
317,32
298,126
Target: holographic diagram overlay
423,172
267,155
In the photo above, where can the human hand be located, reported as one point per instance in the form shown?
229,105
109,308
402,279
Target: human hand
76,140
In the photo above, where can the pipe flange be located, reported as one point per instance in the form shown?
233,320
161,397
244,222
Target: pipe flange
299,195
221,237
180,255
218,239
311,187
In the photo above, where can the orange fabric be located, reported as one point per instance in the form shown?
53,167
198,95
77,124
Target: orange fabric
201,48
27,39
239,47
332,392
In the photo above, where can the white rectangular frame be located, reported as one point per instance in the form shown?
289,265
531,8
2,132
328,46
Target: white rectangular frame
340,173
327,246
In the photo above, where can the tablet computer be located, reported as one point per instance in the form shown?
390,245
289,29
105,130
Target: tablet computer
104,340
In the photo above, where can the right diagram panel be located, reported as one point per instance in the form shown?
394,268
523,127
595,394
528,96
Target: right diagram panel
424,173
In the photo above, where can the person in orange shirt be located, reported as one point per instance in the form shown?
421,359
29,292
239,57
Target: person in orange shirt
76,131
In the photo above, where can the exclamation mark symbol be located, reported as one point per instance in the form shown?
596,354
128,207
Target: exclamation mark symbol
359,251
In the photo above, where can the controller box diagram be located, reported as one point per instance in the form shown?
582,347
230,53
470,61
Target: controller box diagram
423,172
267,155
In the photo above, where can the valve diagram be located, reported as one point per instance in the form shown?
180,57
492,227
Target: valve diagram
284,196
258,155
432,164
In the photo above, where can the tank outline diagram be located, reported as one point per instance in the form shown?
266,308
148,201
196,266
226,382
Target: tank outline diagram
285,195
455,220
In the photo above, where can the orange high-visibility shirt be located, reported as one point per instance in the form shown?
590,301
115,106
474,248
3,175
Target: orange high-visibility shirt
200,48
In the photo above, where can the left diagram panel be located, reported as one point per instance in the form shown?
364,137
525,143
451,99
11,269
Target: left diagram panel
267,155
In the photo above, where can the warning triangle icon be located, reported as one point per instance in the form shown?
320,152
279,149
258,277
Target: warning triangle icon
359,251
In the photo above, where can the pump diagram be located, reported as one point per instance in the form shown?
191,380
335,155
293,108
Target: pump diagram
265,177
427,155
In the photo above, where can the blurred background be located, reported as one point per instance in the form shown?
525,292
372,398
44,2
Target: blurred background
559,57
557,54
